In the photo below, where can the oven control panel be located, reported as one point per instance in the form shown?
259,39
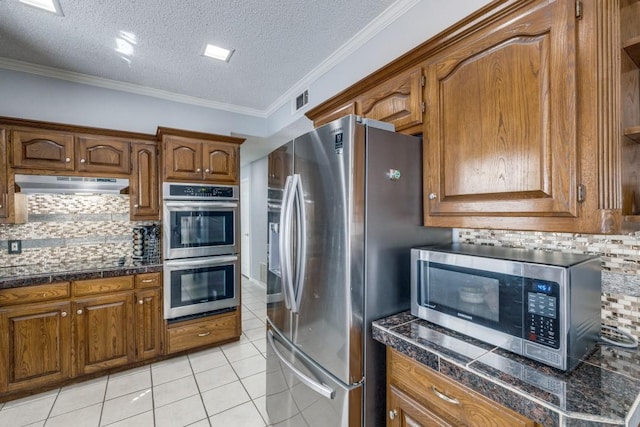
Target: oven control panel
199,192
542,320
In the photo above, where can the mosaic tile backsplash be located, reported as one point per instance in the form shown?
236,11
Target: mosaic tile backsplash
63,228
620,256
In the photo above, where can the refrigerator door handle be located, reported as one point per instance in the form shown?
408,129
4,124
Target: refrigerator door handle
301,243
321,389
284,241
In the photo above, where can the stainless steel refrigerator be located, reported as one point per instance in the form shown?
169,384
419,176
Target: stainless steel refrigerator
345,207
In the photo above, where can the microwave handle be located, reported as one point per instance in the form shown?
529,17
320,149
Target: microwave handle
185,204
200,261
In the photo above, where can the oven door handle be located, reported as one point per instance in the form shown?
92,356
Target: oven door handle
185,204
199,261
284,242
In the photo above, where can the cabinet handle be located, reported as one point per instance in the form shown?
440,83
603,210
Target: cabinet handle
135,206
82,160
67,160
198,170
206,170
148,280
393,414
0,206
204,334
63,314
79,311
140,302
433,196
443,396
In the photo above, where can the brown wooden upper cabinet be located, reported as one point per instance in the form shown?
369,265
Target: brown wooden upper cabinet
500,135
4,176
194,156
278,168
63,151
398,101
143,184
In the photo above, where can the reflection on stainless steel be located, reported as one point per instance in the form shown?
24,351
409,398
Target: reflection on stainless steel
339,245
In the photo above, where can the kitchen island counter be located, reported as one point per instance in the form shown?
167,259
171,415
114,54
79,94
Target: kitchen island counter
604,390
52,272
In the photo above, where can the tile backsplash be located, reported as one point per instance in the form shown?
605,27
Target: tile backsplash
620,256
68,228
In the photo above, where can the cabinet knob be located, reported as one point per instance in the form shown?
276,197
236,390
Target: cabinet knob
63,314
79,311
0,206
140,302
198,170
135,206
433,196
82,160
207,170
67,160
393,414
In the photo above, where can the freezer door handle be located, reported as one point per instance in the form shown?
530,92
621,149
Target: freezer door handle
321,389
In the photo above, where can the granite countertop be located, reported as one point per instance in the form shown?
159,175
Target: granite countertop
604,390
50,272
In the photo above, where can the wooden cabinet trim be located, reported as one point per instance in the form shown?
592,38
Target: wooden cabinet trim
181,133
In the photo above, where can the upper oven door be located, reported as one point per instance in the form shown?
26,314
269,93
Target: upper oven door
196,229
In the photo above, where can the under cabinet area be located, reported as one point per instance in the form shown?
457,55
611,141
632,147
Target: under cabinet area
194,156
419,396
60,331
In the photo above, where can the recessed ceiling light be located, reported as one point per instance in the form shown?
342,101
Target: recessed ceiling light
49,5
217,52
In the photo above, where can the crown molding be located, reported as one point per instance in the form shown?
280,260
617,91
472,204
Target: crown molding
381,22
41,70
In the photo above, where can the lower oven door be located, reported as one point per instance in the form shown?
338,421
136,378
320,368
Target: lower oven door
200,285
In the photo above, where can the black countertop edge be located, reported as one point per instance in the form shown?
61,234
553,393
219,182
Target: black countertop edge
604,390
22,280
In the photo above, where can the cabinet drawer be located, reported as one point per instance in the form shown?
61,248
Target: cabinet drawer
99,286
196,333
37,293
148,280
445,398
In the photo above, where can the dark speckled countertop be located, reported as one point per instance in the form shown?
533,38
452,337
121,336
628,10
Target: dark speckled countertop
51,272
604,390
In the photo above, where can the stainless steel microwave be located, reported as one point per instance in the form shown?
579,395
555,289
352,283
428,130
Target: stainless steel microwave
538,304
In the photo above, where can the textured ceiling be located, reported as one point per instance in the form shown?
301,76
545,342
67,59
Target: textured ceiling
276,42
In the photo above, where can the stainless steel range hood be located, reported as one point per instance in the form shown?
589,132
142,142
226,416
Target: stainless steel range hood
50,184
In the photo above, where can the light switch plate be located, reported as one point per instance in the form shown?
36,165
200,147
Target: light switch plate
15,246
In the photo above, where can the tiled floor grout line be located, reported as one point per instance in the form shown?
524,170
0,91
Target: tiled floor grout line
193,373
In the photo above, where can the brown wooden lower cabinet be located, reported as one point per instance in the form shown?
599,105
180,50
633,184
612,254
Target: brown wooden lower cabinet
199,332
35,345
419,396
149,323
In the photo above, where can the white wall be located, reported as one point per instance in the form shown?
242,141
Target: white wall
257,174
29,96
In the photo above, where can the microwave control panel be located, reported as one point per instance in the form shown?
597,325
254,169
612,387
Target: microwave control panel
542,320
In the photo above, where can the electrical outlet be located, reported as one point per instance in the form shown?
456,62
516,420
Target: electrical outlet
15,246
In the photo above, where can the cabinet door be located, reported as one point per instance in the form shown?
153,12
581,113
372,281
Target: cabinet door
103,155
4,186
42,150
143,184
220,162
104,326
397,101
182,159
403,411
277,168
500,138
149,323
36,345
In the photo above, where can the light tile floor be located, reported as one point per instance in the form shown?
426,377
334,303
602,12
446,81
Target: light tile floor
221,386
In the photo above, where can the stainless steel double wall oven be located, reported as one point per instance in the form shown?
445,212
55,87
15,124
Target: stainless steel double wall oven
201,249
